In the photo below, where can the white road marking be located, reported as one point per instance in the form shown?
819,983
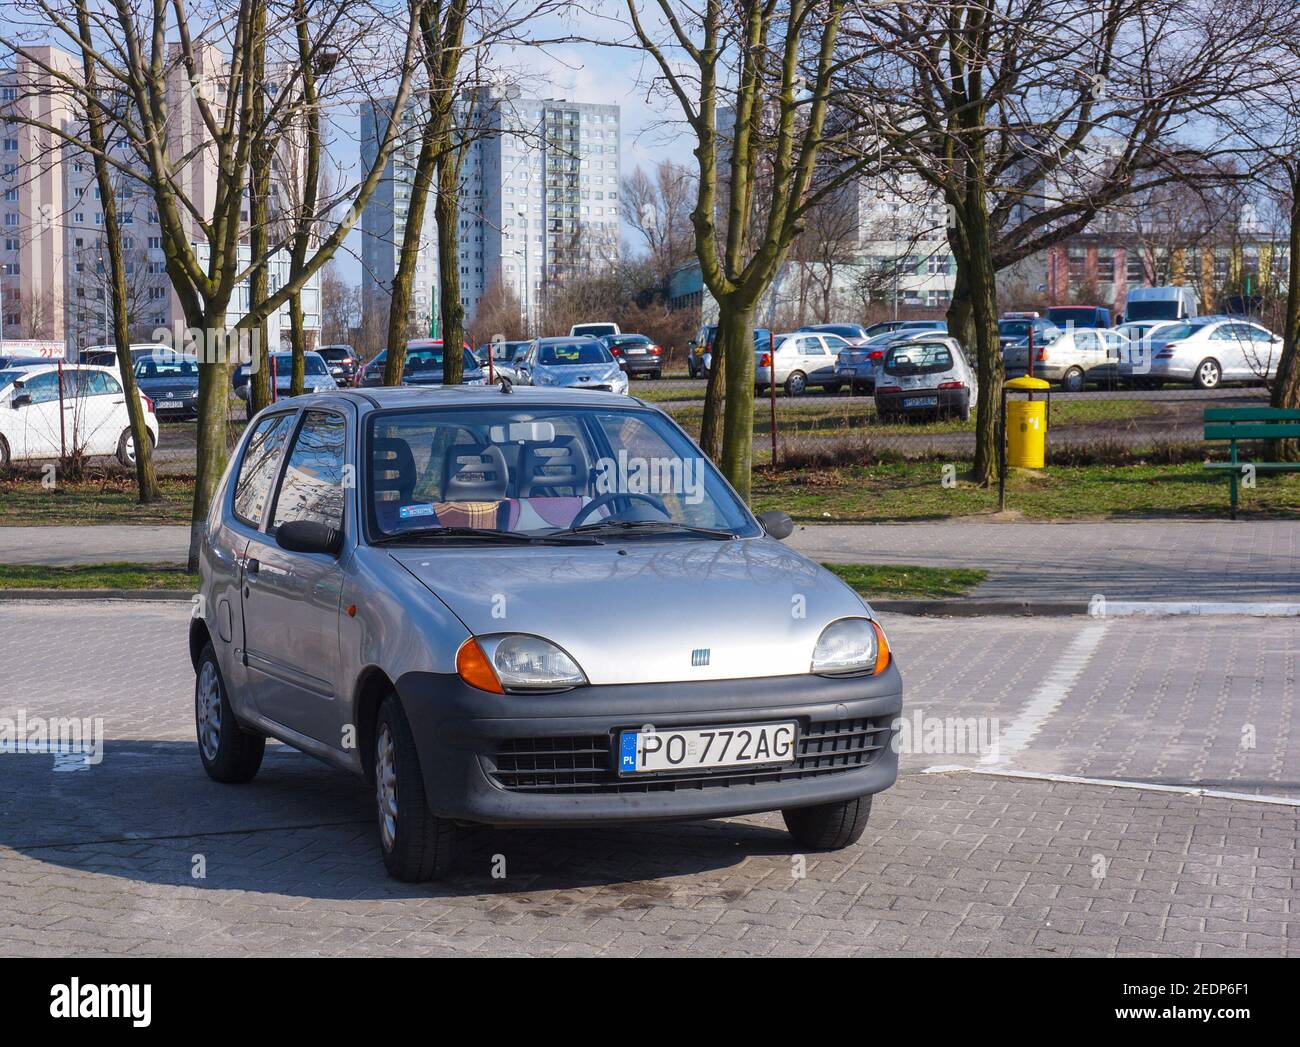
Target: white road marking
1154,608
1116,783
1049,695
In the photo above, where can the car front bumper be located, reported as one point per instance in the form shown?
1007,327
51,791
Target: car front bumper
550,759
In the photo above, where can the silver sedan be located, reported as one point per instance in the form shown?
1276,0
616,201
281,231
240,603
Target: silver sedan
519,606
571,363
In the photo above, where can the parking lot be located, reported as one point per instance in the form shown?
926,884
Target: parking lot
1080,832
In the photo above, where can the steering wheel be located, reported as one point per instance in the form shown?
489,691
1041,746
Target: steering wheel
613,496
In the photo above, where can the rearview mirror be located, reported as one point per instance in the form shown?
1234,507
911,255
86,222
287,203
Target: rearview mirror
21,400
309,536
777,524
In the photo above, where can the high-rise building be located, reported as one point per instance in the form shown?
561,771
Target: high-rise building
538,203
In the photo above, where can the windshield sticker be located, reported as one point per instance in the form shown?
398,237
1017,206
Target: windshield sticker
408,512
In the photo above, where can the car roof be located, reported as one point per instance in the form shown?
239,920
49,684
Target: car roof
565,338
385,397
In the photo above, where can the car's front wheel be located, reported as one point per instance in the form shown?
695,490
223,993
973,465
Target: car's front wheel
417,845
229,753
828,826
126,449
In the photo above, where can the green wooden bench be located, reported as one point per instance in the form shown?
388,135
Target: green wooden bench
1236,424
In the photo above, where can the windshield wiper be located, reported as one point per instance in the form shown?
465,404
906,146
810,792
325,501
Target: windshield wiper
644,525
491,534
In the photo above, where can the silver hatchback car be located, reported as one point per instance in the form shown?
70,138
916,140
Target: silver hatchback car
416,586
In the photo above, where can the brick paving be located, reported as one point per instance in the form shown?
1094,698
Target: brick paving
101,860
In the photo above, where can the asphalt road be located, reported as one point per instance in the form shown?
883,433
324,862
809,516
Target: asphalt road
1079,833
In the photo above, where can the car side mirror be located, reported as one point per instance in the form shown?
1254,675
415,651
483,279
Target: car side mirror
21,400
309,536
777,524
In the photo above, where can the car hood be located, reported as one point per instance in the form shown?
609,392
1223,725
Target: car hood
578,374
637,611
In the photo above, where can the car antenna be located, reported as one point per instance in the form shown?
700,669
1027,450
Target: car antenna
507,387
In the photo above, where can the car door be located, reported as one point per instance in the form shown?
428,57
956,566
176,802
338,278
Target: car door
291,599
816,360
1262,351
1230,346
100,412
42,417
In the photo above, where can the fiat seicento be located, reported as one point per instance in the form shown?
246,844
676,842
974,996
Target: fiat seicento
528,607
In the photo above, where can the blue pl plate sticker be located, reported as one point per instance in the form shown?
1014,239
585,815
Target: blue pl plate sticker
408,511
627,752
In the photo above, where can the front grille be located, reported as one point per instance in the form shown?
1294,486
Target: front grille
585,764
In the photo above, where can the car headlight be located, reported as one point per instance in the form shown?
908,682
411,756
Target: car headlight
517,662
851,645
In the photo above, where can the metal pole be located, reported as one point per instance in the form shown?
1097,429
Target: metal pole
1030,369
1002,455
771,389
63,440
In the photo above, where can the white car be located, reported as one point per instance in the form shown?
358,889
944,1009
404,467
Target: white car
925,377
802,359
1209,350
1075,357
594,330
92,417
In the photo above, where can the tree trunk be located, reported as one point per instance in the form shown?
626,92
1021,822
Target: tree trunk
409,256
451,312
711,423
298,343
214,389
1286,385
259,233
735,343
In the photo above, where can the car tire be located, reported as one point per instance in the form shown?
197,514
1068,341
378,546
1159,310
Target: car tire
828,826
1208,374
1073,381
416,844
963,412
230,754
126,449
833,388
796,384
5,459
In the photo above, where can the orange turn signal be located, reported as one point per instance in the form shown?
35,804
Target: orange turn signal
882,649
475,669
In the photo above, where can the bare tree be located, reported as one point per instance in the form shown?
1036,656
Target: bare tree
340,306
659,208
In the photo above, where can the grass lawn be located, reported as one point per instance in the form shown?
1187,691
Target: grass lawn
900,581
106,500
807,417
97,576
656,392
914,491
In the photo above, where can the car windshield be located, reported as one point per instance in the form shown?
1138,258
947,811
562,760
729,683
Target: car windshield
918,358
165,367
573,353
311,364
335,353
629,339
7,378
537,471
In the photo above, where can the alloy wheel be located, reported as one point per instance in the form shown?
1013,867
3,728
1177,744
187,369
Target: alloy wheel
207,703
386,787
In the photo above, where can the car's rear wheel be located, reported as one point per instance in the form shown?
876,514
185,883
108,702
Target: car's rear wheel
796,384
126,449
828,826
1072,381
417,845
229,753
4,455
1208,373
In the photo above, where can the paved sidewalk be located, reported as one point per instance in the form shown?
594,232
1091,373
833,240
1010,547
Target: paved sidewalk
1219,560
1210,560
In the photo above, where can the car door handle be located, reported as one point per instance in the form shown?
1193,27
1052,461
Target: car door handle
251,568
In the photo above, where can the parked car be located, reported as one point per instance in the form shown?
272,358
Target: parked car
636,354
503,356
316,375
801,360
342,363
423,366
889,326
1209,350
92,417
925,378
1014,328
571,363
594,330
1077,356
856,367
854,334
1066,316
356,622
699,357
106,355
171,381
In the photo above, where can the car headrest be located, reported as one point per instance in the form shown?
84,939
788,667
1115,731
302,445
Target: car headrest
475,473
393,468
550,468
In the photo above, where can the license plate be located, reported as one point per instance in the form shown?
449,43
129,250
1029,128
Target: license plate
650,752
636,352
166,405
921,401
847,372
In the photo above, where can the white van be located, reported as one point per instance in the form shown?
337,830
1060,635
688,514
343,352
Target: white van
599,330
1160,303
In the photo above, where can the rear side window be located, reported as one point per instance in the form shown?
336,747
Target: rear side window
918,359
258,467
312,488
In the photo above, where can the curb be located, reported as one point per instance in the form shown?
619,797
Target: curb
962,608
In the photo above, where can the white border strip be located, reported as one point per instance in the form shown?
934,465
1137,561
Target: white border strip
1114,783
1139,608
